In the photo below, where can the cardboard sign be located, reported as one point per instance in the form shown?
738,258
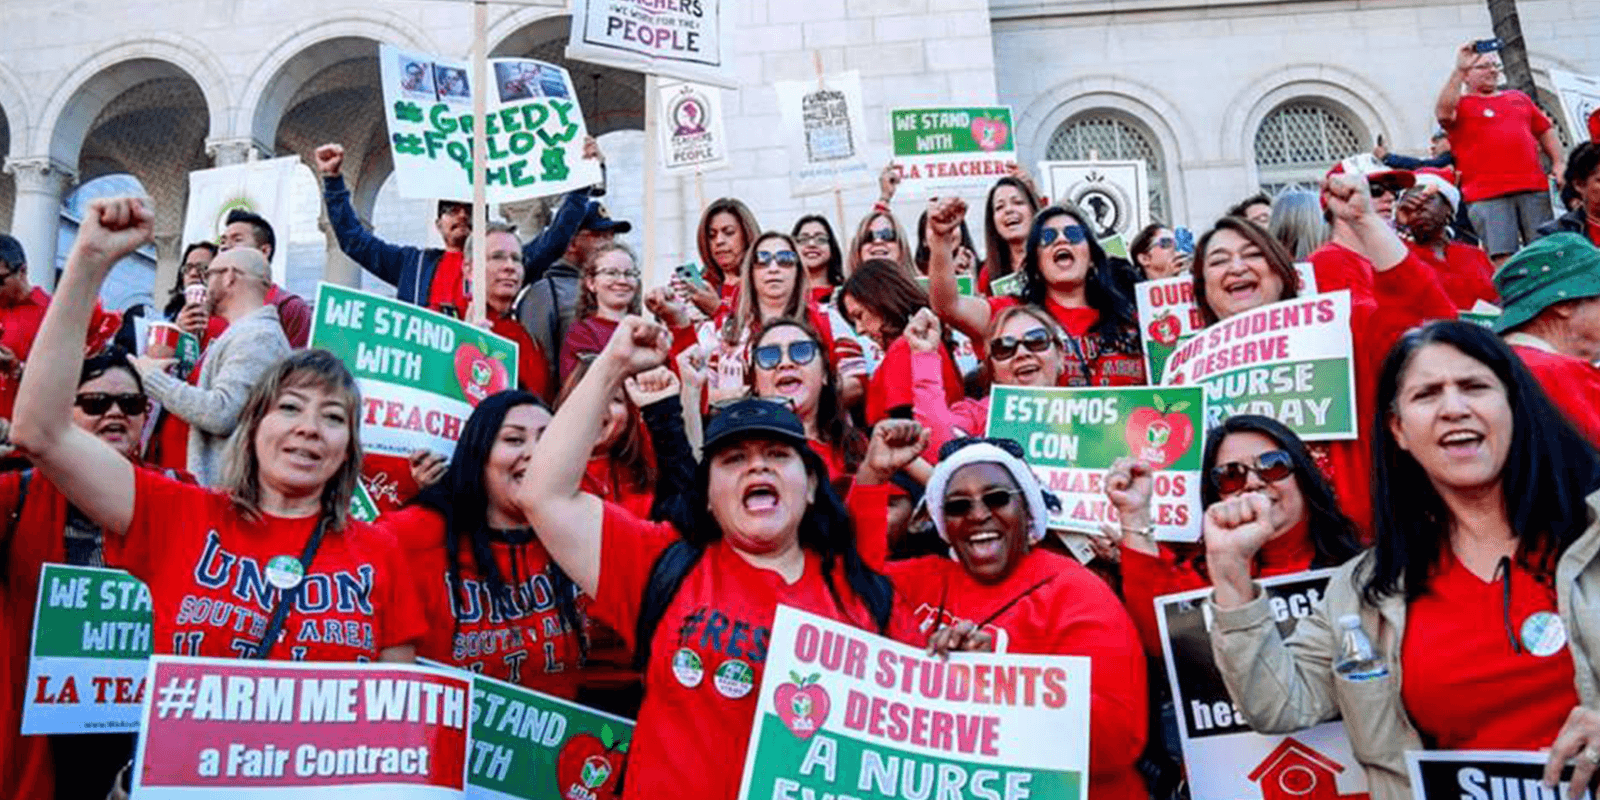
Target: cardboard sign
952,149
688,39
825,132
267,729
1580,99
845,713
1225,759
1290,361
1114,194
282,190
1168,315
420,373
1072,436
91,638
534,125
1484,774
690,126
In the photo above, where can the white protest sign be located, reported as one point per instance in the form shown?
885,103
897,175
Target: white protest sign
1114,194
1485,774
687,39
952,149
281,190
1169,316
1580,98
825,131
690,127
91,639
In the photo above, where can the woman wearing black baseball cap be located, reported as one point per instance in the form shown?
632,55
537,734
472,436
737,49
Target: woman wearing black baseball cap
696,604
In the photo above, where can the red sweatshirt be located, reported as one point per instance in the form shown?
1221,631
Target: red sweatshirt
1571,383
1464,272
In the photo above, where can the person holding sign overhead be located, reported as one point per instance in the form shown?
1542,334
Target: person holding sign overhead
1472,622
269,565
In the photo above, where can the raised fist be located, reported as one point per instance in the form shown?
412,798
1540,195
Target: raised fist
329,158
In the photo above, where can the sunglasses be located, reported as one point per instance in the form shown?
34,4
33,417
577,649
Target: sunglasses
1074,234
1004,348
1011,446
1166,243
994,500
812,238
1271,466
96,403
785,258
768,356
1381,189
881,235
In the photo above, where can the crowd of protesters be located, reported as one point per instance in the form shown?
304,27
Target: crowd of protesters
800,419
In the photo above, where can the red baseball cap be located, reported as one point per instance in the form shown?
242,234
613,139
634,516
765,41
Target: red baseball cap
1374,170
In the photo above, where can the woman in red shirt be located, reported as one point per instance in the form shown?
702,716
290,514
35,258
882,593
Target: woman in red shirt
1008,216
621,467
1065,272
225,565
1246,453
768,529
608,292
880,299
820,255
787,365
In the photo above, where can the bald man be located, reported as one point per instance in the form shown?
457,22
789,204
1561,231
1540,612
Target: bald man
237,283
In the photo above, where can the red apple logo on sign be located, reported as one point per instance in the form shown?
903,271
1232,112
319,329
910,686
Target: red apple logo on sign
1159,435
478,374
1165,329
590,767
802,704
990,134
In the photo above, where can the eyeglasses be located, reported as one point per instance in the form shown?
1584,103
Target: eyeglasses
96,403
818,239
879,235
613,273
801,352
994,500
1271,466
1166,243
1074,234
1003,348
785,258
1011,446
214,272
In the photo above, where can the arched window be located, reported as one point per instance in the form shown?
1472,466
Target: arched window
1299,140
1109,136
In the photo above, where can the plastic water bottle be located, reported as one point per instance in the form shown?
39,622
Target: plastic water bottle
1357,659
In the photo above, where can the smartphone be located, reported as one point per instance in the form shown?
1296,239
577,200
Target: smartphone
1486,45
690,273
1185,239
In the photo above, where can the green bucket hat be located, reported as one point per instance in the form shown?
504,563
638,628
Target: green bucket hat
1559,267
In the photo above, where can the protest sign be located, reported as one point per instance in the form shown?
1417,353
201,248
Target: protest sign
844,713
420,374
1485,774
1580,98
1225,759
91,638
965,285
1168,315
282,190
1072,436
691,40
692,137
1290,361
824,130
1115,245
269,729
1114,194
534,126
952,149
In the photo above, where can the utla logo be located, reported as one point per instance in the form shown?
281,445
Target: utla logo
478,374
1160,435
990,134
1165,328
590,767
802,704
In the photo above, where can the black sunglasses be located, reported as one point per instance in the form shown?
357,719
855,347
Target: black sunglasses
883,235
1072,233
1381,189
1037,340
1166,243
96,403
785,258
1009,445
1271,466
801,352
994,500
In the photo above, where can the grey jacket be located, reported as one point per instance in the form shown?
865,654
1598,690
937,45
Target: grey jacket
233,363
1286,685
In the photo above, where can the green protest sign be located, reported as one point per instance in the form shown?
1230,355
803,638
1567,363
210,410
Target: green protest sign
91,639
952,148
964,285
1115,245
1007,286
1072,436
850,727
1290,361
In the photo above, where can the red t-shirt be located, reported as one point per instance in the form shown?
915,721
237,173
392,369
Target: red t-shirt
533,370
1072,613
1338,267
1572,384
587,336
1463,683
449,287
205,566
832,458
19,326
603,479
890,386
694,727
533,646
1087,361
1495,139
1465,273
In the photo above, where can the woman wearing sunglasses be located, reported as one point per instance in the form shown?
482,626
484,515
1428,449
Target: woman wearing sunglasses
1245,454
1478,598
880,299
820,254
880,237
1008,216
787,366
1155,250
1241,267
610,291
1065,272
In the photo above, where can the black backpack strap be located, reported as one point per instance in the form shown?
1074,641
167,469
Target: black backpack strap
666,576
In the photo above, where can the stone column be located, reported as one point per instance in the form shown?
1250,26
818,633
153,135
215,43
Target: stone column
36,216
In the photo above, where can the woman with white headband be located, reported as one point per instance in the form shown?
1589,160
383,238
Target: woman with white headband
988,505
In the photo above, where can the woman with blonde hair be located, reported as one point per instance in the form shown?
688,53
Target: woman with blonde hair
609,291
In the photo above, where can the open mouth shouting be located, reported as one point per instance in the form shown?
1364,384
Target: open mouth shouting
760,497
1462,443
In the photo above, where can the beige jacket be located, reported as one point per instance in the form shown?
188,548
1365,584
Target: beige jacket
1284,685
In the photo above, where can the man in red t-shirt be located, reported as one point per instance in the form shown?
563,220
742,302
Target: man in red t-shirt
1550,292
1339,263
1496,136
22,308
503,277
